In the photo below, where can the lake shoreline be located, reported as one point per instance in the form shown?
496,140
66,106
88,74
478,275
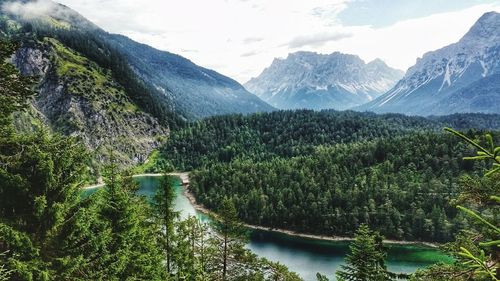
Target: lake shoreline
200,208
101,184
184,177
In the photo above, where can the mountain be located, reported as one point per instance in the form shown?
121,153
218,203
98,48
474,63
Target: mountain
84,88
317,81
461,77
77,97
107,90
192,91
198,91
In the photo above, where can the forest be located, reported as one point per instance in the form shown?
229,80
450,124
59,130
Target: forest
329,172
400,186
50,231
287,134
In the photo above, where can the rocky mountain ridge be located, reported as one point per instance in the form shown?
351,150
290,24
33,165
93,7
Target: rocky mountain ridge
437,82
76,97
318,81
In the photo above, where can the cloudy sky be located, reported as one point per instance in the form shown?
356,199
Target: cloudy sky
239,38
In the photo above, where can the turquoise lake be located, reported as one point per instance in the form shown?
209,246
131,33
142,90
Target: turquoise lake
302,255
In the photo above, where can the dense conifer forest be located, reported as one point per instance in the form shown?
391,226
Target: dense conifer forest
293,133
50,231
329,172
400,186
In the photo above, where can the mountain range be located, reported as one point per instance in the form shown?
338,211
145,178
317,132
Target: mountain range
461,77
108,90
317,81
119,95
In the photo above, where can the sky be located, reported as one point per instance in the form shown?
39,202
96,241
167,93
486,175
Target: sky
240,38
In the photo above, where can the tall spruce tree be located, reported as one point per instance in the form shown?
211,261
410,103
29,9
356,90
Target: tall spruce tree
230,235
366,261
134,247
166,215
191,249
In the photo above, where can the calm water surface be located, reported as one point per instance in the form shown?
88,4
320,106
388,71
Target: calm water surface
302,255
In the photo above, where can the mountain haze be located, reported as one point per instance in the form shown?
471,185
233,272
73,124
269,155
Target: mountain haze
198,91
317,81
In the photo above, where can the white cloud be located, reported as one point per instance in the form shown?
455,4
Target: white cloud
402,43
316,39
250,40
240,38
250,54
30,10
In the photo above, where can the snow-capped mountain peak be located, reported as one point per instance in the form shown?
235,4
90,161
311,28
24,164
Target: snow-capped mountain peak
433,80
485,31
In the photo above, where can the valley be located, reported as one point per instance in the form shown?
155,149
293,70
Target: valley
123,161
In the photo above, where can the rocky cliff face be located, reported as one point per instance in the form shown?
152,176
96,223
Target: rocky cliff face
78,98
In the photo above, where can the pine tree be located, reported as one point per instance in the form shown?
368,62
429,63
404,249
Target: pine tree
135,250
82,243
366,261
165,214
230,234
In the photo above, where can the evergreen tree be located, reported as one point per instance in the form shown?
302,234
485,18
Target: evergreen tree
163,203
229,236
366,261
82,244
192,252
135,250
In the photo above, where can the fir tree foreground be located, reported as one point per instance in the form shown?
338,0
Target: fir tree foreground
476,249
49,230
